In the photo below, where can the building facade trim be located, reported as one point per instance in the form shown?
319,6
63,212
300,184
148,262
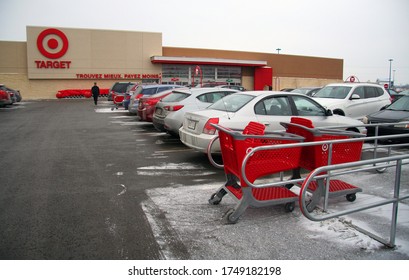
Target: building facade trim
207,61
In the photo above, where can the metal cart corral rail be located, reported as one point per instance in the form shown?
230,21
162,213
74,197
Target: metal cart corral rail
365,165
234,147
330,171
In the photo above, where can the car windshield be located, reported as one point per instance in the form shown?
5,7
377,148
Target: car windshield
120,87
335,92
149,91
159,94
176,96
231,103
402,104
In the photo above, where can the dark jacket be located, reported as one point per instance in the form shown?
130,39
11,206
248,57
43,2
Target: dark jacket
95,90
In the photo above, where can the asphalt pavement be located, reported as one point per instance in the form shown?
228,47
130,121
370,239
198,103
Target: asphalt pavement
79,181
68,183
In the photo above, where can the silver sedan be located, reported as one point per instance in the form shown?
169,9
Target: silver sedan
267,107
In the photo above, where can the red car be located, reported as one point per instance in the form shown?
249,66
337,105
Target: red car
146,106
5,98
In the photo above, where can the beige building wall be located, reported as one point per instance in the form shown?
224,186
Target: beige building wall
291,82
92,55
96,53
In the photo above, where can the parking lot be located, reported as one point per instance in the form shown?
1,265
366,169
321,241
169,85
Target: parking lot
80,181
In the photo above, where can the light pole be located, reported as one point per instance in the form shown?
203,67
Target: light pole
390,71
393,77
278,50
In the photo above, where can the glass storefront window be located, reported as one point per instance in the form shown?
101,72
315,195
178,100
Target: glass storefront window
182,74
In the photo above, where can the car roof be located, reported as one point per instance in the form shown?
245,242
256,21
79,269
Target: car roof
354,84
269,92
158,86
203,90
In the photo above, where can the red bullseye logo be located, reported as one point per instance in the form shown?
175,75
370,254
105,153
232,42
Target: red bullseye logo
52,43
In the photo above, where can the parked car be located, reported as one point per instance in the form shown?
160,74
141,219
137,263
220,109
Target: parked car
211,84
147,104
397,112
310,91
267,107
15,94
5,98
118,87
396,95
355,100
130,90
146,90
170,111
287,89
236,87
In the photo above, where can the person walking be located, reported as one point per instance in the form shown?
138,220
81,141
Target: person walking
95,93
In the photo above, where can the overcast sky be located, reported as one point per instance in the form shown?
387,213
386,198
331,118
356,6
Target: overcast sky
364,33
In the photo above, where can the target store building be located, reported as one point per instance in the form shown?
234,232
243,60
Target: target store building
54,59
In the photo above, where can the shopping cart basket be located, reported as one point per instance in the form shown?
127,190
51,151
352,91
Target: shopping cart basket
316,156
234,148
118,101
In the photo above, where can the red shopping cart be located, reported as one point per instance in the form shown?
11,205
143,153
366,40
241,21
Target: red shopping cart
118,101
234,148
316,156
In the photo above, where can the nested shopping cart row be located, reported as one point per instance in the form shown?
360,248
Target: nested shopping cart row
253,154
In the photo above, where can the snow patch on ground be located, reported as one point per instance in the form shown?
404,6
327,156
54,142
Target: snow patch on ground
261,233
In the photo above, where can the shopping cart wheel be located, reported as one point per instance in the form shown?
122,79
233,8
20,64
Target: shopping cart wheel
351,197
214,199
289,207
381,170
229,218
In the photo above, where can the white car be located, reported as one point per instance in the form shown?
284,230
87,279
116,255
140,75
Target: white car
355,100
170,111
267,107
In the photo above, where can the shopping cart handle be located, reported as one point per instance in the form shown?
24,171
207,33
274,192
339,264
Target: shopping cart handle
321,131
237,134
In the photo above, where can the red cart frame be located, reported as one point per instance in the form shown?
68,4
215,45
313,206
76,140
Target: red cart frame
316,156
234,148
118,101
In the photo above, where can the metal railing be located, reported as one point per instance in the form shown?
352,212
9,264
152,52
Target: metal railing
332,170
366,165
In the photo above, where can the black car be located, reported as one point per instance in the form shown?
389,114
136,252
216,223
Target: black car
118,87
396,95
397,112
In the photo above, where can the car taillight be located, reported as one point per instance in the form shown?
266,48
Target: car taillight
208,128
173,108
138,96
151,101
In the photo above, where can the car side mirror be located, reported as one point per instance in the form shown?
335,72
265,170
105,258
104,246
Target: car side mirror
328,112
355,96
